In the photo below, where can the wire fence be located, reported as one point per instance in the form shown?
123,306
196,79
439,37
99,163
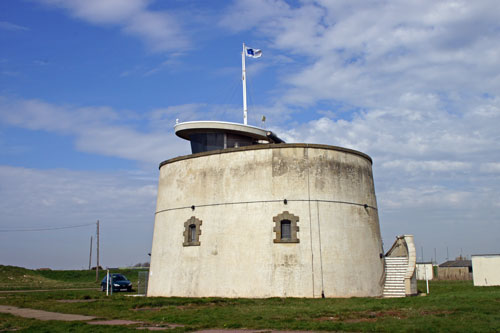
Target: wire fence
142,282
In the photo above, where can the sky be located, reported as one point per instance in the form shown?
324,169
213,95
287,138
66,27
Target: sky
90,91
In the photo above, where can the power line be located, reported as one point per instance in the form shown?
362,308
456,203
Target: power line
46,229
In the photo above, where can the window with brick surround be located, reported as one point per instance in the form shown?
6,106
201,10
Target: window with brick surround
286,228
192,232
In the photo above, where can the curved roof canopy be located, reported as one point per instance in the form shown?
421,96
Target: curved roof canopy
183,130
212,135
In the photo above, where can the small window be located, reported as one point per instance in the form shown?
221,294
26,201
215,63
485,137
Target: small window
192,232
286,228
286,231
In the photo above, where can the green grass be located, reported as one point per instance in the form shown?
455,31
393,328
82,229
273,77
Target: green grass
18,278
451,306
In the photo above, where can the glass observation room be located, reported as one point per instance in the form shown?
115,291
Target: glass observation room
218,140
214,135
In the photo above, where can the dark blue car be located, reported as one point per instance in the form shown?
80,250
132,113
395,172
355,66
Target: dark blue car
119,283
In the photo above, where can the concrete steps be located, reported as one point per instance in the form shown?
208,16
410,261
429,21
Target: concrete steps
395,271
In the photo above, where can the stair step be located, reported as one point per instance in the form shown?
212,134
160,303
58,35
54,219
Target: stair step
395,272
394,292
396,258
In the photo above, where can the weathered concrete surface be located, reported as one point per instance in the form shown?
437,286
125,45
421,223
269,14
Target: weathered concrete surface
237,193
486,269
43,315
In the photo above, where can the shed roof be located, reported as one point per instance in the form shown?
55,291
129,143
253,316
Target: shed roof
457,263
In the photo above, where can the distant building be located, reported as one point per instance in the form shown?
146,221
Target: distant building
459,269
486,269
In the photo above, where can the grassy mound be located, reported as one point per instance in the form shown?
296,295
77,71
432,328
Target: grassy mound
12,277
16,278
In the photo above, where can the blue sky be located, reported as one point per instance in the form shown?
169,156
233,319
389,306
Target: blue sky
90,90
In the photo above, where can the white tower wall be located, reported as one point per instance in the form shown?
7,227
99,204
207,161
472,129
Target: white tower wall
236,193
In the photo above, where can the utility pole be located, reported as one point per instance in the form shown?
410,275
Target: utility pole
97,266
90,255
435,257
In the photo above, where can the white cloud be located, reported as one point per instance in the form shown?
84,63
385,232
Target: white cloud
492,167
431,198
146,138
161,31
244,15
12,26
438,166
99,130
370,53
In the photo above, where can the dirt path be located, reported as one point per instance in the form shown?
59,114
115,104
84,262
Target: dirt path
46,315
42,290
42,315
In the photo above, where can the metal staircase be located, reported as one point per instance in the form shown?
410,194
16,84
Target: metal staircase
395,271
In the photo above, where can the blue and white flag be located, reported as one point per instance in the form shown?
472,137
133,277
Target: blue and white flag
253,53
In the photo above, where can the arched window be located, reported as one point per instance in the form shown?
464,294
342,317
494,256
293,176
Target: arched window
286,231
192,232
285,227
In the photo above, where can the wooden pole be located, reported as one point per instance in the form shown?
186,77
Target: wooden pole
90,255
97,267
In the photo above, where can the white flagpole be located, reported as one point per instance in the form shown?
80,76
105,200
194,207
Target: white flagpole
244,78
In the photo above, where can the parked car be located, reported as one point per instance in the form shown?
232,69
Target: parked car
119,281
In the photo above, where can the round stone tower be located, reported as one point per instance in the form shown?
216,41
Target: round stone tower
247,215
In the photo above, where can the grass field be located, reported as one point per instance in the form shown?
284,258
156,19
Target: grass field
450,307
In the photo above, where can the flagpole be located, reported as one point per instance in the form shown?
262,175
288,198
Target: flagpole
244,78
